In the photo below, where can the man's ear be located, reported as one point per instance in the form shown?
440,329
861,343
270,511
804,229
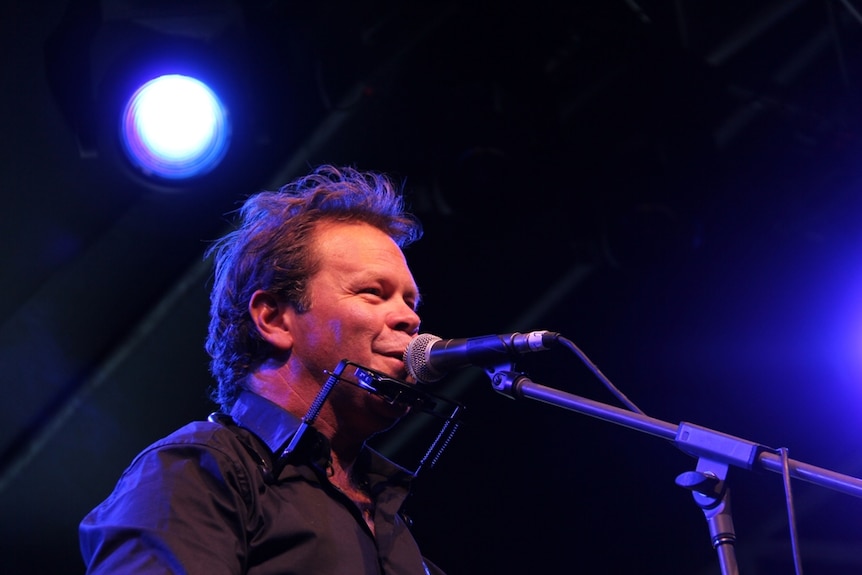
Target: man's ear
268,315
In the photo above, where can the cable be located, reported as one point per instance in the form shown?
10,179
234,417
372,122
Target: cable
613,389
791,512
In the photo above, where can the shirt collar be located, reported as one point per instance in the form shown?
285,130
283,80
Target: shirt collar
272,424
275,426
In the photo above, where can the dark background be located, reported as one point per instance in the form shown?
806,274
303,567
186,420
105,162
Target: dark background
673,186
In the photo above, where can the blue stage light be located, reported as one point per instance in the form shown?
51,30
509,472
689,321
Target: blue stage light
175,127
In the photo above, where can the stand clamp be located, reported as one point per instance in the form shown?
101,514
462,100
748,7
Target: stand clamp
710,492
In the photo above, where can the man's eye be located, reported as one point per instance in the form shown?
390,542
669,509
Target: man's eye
372,291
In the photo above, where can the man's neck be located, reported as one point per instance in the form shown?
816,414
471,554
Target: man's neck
347,483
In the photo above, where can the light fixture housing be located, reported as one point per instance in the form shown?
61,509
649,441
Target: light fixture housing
126,76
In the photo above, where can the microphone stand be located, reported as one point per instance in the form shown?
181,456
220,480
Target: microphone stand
715,452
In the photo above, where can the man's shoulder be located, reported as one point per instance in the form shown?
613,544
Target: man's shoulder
230,441
201,433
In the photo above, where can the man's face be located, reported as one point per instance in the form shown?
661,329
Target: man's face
363,309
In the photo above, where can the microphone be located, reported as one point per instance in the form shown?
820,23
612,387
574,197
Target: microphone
428,358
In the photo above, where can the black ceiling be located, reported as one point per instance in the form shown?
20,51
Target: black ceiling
672,186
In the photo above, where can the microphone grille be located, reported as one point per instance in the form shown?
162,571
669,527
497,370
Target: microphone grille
416,358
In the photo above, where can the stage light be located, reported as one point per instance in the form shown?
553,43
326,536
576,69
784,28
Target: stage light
176,96
175,127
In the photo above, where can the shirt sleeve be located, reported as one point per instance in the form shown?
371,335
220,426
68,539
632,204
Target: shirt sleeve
181,507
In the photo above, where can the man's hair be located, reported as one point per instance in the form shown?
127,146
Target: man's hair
271,250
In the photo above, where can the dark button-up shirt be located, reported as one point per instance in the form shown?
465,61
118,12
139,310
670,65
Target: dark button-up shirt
205,500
